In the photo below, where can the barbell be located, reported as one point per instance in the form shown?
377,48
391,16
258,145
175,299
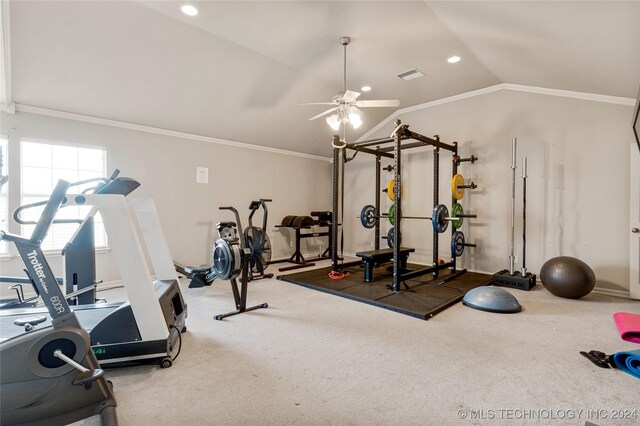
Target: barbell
440,218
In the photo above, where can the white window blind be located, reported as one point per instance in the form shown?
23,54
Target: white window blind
4,192
43,164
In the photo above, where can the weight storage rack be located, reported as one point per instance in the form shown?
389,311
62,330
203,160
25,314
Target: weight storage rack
382,149
410,289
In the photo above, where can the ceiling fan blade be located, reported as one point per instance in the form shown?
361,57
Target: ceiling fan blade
315,103
350,95
323,113
378,103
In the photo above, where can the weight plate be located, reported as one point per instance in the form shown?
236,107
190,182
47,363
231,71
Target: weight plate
368,216
457,192
391,189
392,218
457,211
457,244
288,220
438,218
390,186
390,237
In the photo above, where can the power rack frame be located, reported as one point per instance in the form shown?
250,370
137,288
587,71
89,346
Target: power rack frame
402,139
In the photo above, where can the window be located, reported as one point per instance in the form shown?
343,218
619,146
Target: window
4,191
43,164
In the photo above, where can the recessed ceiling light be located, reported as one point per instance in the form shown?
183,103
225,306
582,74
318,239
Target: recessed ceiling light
189,10
366,88
453,59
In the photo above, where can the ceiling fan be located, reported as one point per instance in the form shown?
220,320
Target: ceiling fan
346,106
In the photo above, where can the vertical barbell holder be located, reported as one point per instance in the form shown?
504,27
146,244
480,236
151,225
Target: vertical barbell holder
397,205
513,205
524,216
377,205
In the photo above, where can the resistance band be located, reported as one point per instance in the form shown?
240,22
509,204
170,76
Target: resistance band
629,362
628,325
337,275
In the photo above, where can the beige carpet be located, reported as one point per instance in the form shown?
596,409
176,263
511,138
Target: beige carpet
314,358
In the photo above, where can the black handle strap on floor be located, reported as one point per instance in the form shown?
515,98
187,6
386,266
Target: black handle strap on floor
600,359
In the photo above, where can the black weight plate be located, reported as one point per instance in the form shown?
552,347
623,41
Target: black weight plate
457,243
368,216
390,237
438,218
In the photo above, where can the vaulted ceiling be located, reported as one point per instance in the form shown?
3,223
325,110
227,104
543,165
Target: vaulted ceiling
236,70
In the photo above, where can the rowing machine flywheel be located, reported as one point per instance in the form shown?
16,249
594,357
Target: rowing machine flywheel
227,258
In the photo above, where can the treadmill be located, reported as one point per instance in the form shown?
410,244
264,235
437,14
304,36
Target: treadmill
147,327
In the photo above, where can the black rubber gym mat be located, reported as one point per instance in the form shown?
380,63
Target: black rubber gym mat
425,297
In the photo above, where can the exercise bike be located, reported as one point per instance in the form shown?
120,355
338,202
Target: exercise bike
241,254
257,240
50,375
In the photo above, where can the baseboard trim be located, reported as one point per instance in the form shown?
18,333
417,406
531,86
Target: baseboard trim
612,292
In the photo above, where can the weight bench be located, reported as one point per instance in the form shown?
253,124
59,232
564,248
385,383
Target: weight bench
373,258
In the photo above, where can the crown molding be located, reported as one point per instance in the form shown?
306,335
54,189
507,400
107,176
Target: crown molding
585,96
158,131
593,97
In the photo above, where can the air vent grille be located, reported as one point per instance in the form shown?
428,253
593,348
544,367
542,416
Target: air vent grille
412,74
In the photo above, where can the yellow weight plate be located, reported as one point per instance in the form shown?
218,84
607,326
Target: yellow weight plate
390,187
457,181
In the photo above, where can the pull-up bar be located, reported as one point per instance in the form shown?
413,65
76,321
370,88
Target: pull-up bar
405,134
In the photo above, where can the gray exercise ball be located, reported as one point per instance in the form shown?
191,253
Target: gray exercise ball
566,276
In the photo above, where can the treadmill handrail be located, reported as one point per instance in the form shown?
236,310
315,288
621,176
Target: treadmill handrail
104,181
48,214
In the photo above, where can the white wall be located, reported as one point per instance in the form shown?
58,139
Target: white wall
577,191
166,168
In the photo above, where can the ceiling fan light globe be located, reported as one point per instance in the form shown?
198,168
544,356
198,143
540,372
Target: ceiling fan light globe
355,120
333,121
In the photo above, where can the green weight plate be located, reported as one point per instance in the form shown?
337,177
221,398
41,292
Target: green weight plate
457,211
392,218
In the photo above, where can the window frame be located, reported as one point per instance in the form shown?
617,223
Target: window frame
56,252
5,247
